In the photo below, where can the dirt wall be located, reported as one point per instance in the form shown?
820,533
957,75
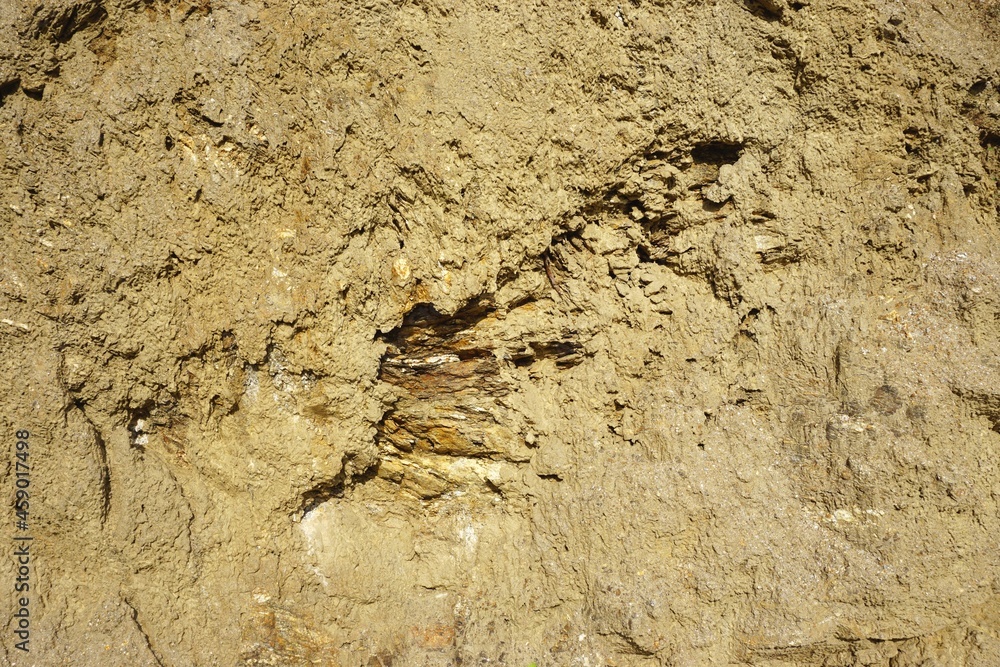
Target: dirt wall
461,333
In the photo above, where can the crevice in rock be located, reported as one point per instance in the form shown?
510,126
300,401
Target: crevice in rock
716,152
142,631
983,404
336,487
449,428
9,88
102,456
768,10
102,451
61,22
321,493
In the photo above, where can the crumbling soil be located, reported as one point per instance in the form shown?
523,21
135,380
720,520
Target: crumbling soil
460,333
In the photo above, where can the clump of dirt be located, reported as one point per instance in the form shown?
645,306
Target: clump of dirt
439,333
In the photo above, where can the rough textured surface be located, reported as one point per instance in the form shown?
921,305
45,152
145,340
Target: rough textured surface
439,333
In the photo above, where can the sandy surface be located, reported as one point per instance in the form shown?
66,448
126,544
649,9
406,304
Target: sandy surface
461,333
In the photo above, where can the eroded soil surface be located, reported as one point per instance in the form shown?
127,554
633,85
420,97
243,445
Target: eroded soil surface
468,333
